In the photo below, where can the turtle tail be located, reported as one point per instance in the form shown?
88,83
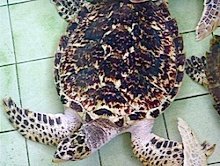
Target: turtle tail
44,128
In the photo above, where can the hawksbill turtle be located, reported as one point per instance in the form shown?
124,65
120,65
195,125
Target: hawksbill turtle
206,70
117,68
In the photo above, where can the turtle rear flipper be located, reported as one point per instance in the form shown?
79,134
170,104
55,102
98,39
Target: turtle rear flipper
210,19
154,150
195,68
194,152
40,127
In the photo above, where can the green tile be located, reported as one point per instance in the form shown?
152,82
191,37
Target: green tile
42,155
13,149
201,116
3,2
18,1
37,86
217,31
6,45
187,13
36,28
193,47
119,152
8,87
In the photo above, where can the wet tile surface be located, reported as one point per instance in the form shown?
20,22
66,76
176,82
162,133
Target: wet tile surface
7,51
13,149
36,29
187,13
25,18
3,2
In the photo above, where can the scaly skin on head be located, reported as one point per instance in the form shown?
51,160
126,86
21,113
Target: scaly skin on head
89,138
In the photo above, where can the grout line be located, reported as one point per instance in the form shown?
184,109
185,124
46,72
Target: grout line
6,65
214,163
16,64
187,31
28,61
39,59
189,97
165,124
3,5
28,157
17,76
100,159
7,131
17,3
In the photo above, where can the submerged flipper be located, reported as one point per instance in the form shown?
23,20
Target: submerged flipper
44,128
195,68
153,150
210,19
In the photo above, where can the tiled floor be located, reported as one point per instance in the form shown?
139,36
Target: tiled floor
29,33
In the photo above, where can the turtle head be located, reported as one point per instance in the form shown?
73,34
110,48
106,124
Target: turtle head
73,148
86,140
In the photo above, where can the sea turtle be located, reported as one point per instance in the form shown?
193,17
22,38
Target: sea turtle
210,19
206,70
117,68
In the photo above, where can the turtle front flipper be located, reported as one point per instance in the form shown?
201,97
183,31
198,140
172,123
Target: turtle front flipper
40,127
153,150
210,19
195,68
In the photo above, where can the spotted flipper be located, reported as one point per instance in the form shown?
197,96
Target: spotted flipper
69,9
210,19
213,71
153,150
44,128
195,68
194,153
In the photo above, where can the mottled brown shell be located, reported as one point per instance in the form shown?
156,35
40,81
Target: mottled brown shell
123,62
213,71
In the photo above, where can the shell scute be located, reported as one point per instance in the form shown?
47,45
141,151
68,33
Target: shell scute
123,62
